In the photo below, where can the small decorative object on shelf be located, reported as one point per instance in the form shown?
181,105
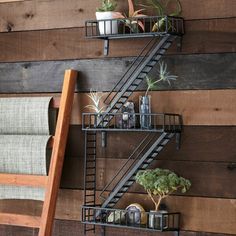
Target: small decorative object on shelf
161,183
127,119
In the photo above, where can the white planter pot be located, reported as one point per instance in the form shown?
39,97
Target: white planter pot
157,220
107,27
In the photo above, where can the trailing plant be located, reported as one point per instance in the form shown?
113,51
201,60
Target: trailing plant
96,100
163,75
160,183
107,5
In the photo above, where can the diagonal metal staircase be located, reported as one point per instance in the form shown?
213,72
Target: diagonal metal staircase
136,74
151,146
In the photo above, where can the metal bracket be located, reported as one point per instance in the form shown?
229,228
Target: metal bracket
106,47
104,139
178,140
179,44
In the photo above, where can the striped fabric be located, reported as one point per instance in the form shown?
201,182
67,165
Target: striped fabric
24,133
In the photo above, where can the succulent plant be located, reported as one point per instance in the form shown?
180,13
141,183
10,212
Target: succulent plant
107,5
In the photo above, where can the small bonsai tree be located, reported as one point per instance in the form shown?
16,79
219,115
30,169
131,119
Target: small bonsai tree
161,183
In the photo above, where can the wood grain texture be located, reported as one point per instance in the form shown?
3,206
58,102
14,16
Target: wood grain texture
194,72
34,15
75,228
198,214
202,36
23,180
199,143
202,107
19,219
205,178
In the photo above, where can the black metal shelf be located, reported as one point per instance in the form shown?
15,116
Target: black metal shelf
129,122
132,219
152,26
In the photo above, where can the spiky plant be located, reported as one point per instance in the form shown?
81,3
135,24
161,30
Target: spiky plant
163,75
96,99
107,5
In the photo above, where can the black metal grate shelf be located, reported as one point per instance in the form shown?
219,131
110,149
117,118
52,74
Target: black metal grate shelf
133,219
129,27
158,122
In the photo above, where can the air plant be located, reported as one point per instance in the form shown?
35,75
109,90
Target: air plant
132,23
162,10
163,75
96,99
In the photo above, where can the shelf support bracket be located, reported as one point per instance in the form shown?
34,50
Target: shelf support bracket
104,139
179,44
178,140
106,47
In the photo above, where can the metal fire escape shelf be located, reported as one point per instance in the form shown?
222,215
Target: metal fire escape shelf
162,128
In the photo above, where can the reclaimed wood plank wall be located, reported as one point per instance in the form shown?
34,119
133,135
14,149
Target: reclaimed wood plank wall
40,39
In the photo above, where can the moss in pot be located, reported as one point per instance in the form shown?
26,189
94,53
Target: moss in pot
159,184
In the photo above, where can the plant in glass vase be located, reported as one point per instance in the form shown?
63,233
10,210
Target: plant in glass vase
159,184
145,101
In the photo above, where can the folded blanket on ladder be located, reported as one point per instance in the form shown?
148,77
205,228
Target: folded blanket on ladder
24,134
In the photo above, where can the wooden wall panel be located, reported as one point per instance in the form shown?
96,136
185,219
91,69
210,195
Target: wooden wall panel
199,143
202,107
193,71
203,36
75,228
199,214
34,15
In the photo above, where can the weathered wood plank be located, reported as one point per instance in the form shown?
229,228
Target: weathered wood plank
75,228
204,107
34,15
205,183
202,36
198,214
194,71
199,143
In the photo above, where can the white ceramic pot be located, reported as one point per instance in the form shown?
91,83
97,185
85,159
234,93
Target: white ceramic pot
157,220
107,27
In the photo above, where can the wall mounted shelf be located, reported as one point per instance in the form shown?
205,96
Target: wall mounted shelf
163,30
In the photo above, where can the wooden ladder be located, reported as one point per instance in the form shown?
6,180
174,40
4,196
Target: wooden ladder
51,182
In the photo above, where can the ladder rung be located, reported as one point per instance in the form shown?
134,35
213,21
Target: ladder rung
20,220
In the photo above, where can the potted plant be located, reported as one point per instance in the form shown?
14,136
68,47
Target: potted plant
159,184
145,101
107,13
95,97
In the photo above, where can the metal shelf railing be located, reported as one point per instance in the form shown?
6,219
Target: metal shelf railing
130,122
129,27
135,219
